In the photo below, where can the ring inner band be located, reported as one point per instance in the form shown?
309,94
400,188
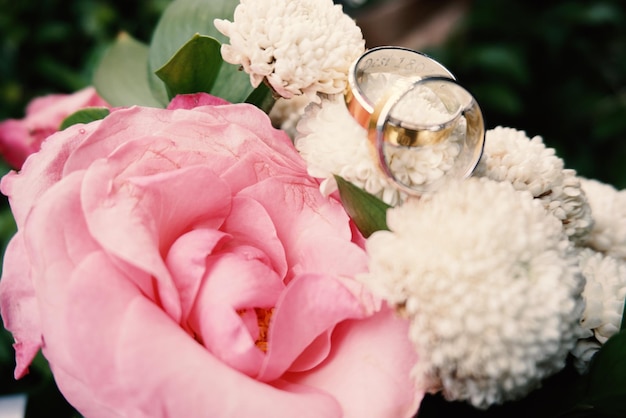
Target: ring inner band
394,63
397,135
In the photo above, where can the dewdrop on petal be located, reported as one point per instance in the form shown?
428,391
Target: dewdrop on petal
604,294
296,46
490,284
608,208
509,155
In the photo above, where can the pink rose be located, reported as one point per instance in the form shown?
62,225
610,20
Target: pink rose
181,263
20,138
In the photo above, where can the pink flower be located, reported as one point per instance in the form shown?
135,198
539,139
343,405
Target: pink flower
181,263
190,101
20,138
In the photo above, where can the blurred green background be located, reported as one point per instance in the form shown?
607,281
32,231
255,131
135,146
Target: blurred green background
555,69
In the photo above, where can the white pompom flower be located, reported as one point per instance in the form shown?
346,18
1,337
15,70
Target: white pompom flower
604,294
608,207
296,46
333,143
509,155
490,284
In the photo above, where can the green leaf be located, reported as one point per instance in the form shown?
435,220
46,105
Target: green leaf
86,115
180,22
232,84
121,77
262,98
194,68
606,382
368,212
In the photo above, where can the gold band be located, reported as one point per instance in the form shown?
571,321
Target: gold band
398,135
412,109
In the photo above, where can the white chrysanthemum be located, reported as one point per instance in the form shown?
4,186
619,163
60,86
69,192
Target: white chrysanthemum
604,294
490,285
608,208
298,46
333,143
509,155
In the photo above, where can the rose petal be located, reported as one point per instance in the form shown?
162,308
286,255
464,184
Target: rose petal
187,263
368,378
258,123
313,354
191,131
249,225
18,305
234,282
299,316
304,219
190,101
156,208
56,237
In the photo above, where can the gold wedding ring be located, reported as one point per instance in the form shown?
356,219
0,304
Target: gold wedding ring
392,92
464,120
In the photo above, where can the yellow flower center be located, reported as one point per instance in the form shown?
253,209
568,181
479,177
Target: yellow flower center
263,320
263,316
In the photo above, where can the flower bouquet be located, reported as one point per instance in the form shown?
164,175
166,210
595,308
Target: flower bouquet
255,216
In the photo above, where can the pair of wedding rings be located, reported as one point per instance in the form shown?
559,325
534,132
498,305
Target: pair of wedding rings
412,107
